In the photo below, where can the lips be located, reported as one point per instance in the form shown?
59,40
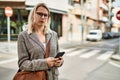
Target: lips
42,21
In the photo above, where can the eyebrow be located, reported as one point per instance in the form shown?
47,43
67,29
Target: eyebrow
41,12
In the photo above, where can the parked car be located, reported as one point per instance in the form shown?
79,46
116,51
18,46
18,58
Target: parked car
107,35
94,35
116,34
110,35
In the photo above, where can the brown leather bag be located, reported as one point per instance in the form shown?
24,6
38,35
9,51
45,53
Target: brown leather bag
27,75
33,75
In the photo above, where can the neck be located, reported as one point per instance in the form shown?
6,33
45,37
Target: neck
39,28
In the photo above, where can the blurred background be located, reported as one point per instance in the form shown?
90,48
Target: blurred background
88,30
71,19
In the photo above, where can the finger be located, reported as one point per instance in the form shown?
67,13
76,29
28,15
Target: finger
52,59
58,61
57,64
60,58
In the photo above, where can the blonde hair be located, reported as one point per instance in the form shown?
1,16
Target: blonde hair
31,19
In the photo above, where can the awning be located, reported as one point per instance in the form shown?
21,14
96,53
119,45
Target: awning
60,6
15,5
13,0
51,10
57,11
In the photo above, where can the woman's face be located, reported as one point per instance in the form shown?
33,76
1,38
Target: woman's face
41,16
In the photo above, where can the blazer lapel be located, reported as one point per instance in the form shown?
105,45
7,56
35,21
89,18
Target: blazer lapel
33,36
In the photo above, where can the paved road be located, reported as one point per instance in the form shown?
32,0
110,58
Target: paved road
91,62
108,71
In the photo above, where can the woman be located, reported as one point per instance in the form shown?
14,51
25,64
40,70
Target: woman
32,44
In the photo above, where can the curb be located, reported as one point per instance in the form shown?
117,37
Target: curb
115,57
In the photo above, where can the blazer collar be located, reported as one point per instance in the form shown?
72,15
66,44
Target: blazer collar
33,36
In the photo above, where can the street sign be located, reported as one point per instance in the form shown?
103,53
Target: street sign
118,15
8,11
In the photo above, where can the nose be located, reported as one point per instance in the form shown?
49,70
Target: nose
42,16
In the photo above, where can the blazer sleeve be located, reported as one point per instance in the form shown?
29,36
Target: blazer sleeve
58,49
23,58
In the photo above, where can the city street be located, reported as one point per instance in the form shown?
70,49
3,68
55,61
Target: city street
76,22
79,60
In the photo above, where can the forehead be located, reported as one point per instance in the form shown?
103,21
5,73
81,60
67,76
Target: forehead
42,9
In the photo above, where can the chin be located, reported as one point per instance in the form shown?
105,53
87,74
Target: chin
42,24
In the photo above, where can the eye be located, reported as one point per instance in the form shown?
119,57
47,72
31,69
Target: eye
45,15
42,14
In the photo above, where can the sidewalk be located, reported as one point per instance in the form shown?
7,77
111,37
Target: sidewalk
71,44
12,47
8,48
116,55
8,52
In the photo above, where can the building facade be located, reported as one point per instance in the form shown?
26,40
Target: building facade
21,9
72,20
16,20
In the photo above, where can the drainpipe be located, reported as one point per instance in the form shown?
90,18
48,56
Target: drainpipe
109,15
98,17
82,20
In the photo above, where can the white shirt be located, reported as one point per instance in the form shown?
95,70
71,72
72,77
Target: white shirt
44,45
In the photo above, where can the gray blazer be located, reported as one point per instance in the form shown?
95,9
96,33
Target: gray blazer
31,53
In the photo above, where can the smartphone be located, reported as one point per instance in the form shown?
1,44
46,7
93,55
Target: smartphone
59,54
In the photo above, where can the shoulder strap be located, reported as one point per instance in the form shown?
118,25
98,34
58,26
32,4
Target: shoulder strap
47,50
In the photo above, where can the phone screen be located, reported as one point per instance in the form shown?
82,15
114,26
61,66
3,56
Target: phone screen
59,54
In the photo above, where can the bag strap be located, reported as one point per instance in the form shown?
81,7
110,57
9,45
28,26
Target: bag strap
47,50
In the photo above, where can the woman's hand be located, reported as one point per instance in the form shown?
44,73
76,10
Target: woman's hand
58,61
50,61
